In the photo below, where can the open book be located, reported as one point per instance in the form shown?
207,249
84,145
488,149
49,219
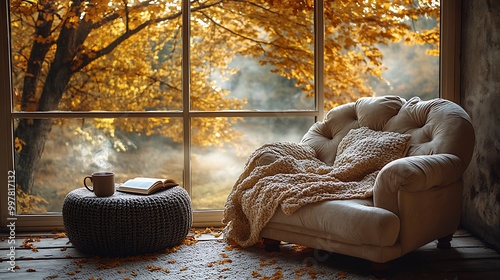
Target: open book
143,185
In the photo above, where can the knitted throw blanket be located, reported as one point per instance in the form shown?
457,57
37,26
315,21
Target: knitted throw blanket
296,177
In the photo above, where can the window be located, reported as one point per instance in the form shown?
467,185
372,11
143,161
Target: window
187,96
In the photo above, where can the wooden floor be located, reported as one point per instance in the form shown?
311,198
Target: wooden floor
41,255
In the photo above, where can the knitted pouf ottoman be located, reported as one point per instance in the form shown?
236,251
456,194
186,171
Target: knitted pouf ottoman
126,224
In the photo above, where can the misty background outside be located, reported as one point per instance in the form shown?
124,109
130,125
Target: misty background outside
76,147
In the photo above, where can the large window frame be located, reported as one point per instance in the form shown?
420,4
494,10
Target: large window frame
449,89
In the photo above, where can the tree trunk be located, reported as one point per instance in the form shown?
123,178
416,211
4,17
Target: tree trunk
34,132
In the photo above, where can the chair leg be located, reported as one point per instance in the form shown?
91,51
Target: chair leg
444,242
271,245
380,270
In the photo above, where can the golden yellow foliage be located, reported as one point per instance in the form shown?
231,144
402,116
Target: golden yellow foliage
29,203
127,56
18,144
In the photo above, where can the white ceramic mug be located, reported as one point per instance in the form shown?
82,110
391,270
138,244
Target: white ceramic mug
103,183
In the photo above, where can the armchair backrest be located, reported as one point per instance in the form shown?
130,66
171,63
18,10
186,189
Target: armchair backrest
437,126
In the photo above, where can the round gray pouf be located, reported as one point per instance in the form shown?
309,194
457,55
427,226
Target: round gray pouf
126,224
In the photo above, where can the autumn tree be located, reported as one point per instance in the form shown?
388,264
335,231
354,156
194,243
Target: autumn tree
126,55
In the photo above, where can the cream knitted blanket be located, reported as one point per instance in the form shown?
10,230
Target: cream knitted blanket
296,177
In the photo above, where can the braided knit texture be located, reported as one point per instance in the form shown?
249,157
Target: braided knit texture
127,224
296,177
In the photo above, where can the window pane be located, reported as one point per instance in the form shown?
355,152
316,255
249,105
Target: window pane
102,57
244,55
381,48
216,169
75,148
252,56
412,70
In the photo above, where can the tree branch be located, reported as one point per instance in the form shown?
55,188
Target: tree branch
258,42
39,50
86,60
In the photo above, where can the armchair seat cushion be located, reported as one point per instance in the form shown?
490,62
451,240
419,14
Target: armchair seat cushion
353,221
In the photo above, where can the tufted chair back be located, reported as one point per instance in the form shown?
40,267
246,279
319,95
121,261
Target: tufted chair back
437,126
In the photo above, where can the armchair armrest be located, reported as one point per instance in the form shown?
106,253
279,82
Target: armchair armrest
414,174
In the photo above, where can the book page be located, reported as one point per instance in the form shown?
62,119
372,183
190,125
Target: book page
140,183
151,180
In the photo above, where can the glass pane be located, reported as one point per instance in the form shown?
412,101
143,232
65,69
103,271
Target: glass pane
256,56
102,57
216,169
381,48
74,148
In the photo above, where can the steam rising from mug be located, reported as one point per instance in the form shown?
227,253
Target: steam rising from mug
98,152
100,158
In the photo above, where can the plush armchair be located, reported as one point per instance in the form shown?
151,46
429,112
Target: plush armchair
416,199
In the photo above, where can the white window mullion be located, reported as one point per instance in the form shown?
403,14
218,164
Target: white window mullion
186,81
319,57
